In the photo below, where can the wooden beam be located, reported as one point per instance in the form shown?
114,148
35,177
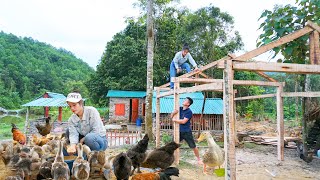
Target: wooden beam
313,26
316,47
276,43
176,126
256,83
262,74
204,75
196,80
158,119
164,94
255,97
203,68
229,122
280,124
277,67
203,87
300,94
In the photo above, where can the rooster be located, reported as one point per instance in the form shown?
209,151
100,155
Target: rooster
44,129
17,135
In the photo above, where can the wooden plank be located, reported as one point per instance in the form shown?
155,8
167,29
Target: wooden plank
203,68
203,87
280,124
313,26
255,97
197,80
256,83
229,123
300,94
158,120
316,47
276,43
176,126
164,94
311,48
277,67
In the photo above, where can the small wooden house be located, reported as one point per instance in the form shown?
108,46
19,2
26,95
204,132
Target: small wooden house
126,106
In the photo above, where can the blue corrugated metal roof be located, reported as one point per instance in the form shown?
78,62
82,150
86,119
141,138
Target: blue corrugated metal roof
48,102
212,105
126,94
55,95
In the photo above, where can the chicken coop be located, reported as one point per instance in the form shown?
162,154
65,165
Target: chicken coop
47,100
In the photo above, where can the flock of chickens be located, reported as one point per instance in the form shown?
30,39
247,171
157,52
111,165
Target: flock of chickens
44,157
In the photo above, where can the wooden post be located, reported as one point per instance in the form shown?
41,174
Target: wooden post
176,126
158,120
60,115
311,48
280,124
316,47
27,121
229,127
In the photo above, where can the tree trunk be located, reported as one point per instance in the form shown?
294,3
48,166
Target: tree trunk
305,109
150,36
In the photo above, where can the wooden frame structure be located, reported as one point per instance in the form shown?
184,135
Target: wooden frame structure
231,63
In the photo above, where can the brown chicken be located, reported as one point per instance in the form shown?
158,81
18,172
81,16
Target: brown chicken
165,175
162,157
44,129
17,135
40,141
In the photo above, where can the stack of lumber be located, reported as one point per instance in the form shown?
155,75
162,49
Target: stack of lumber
268,140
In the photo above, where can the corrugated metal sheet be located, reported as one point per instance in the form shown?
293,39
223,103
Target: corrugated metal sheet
55,95
192,95
212,105
126,94
48,102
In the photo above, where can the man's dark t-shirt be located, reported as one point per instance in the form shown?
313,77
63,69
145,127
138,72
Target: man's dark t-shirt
187,113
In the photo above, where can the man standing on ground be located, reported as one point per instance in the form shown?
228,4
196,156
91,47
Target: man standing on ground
185,123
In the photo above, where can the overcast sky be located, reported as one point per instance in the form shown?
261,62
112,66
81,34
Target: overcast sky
85,26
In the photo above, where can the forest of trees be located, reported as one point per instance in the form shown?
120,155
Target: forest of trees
29,68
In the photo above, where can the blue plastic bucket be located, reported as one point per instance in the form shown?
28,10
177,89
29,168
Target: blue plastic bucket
138,122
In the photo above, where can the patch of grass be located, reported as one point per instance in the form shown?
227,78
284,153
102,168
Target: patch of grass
185,165
250,145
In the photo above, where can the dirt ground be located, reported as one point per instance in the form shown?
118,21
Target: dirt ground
258,163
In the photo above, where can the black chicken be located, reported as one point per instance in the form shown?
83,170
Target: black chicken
137,153
122,166
162,157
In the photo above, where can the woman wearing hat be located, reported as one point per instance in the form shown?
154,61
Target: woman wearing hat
179,63
84,125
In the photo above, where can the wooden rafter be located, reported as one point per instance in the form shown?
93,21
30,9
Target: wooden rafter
256,83
313,26
255,97
277,67
196,80
300,94
276,43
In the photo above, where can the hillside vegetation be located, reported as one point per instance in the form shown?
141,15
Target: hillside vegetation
28,68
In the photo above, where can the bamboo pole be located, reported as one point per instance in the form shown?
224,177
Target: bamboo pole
229,126
158,120
280,124
176,126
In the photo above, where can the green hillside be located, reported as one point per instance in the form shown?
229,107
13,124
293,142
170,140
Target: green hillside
28,68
